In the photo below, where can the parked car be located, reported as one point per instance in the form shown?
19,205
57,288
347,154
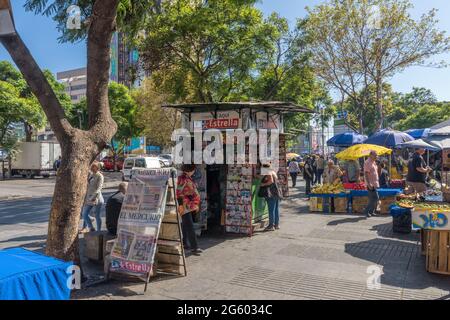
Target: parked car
108,163
166,159
139,162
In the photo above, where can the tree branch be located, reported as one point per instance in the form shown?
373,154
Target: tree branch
39,85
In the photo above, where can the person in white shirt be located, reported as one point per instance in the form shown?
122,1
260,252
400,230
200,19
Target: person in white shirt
294,169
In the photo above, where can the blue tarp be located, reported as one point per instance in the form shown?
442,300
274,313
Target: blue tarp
25,275
381,192
396,210
418,133
329,195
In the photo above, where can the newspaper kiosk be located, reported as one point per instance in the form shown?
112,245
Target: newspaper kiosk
229,191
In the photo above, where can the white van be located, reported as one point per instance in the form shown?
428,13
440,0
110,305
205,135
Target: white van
138,162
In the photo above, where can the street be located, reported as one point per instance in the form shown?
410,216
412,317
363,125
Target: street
312,256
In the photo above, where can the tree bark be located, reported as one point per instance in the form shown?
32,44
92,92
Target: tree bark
379,98
79,148
28,131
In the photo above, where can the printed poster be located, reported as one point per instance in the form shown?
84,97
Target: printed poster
139,222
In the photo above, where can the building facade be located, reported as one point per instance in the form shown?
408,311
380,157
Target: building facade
125,66
75,82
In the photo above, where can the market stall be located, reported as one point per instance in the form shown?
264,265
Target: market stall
229,192
351,197
432,219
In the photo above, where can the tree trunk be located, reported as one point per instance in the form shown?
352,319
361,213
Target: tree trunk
65,214
28,131
79,148
9,167
379,98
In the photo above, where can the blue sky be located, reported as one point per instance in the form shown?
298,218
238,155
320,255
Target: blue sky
40,35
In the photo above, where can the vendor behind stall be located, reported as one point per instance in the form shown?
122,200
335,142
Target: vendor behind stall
417,172
332,173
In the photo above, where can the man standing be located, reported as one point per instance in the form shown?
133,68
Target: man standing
417,172
308,175
294,169
372,183
113,207
320,169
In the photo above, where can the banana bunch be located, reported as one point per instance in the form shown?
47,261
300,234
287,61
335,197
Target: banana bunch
326,188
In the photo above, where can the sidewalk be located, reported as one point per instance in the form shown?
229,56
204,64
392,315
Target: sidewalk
312,256
20,188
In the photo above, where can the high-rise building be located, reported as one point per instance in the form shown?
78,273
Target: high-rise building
75,82
125,67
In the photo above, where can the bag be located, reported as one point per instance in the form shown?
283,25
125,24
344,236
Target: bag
275,191
263,192
271,191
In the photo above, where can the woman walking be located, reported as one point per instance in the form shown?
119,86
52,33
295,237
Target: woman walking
270,181
94,199
188,199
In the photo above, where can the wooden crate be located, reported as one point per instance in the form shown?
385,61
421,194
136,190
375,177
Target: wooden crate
386,203
423,241
93,245
438,251
359,204
315,204
169,231
108,243
340,205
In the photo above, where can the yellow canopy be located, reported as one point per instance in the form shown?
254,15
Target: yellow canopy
361,150
292,155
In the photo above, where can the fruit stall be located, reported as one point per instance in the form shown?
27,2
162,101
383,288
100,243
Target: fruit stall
432,219
348,198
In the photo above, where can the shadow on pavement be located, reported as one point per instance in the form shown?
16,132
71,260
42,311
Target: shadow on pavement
403,265
346,220
385,230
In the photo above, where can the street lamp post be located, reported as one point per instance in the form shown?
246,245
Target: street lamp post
7,27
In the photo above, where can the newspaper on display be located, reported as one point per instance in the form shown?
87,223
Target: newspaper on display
139,222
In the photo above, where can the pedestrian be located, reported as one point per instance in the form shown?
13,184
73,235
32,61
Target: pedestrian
417,172
57,164
372,183
332,173
188,199
314,168
269,181
94,199
294,170
113,207
384,176
320,169
308,176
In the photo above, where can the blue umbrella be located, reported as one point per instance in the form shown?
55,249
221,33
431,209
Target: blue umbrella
388,138
419,143
346,139
418,133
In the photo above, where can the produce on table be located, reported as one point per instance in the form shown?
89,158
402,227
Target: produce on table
326,188
405,203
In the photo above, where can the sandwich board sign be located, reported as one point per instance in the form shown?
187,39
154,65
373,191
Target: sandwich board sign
139,223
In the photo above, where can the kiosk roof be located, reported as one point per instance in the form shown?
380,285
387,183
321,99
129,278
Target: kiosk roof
273,106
